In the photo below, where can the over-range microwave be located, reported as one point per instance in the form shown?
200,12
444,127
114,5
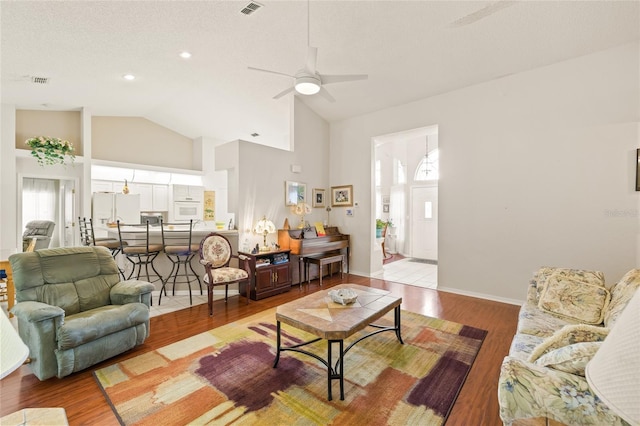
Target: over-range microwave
187,210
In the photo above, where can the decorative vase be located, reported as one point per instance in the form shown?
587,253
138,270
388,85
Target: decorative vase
378,232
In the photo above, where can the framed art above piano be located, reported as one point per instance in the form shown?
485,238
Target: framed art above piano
294,193
342,196
638,170
318,197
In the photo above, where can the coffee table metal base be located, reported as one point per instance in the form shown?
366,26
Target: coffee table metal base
336,372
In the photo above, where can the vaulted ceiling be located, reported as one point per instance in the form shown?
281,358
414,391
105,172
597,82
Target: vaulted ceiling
410,50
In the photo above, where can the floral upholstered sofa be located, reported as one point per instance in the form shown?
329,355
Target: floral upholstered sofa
567,315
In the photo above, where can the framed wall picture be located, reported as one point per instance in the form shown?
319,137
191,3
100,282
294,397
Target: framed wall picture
385,208
342,196
294,193
637,169
318,197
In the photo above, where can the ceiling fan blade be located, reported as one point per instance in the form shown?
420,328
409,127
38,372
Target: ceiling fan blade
284,92
312,57
328,79
271,72
323,92
482,13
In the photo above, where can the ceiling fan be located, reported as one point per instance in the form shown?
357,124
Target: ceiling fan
308,81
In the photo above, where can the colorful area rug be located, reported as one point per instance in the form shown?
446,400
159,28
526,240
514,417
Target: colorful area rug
226,376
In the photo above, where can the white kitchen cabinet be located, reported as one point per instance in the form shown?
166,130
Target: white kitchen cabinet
102,186
146,195
188,193
161,198
152,197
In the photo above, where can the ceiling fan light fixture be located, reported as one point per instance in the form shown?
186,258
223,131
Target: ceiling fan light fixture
307,85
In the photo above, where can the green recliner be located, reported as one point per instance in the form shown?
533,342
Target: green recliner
73,311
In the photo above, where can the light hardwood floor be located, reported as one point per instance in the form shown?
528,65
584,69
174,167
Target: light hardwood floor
477,403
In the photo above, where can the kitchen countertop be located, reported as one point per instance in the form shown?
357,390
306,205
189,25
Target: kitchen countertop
155,230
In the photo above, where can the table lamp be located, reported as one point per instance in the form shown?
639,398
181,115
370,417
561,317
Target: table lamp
264,227
614,371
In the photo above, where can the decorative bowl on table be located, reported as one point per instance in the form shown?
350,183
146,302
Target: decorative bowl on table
344,296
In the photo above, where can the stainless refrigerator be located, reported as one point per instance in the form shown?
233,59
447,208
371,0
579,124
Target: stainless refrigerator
109,207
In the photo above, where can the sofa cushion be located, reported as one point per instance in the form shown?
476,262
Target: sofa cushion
569,335
571,358
523,344
90,325
536,322
573,299
542,276
621,293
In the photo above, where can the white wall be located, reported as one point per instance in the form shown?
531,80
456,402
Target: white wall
8,181
257,174
535,169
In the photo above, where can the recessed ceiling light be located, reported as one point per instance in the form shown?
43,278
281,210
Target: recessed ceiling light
185,55
129,77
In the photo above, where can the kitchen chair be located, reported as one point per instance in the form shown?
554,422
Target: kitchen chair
385,255
176,241
137,248
111,243
215,256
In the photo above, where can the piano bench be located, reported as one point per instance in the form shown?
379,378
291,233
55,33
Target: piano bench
321,261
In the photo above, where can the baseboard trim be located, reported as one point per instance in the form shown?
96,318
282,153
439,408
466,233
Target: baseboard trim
482,296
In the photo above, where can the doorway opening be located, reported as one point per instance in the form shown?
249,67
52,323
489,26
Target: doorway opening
406,195
49,199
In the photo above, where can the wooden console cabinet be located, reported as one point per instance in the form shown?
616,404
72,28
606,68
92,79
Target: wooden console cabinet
270,273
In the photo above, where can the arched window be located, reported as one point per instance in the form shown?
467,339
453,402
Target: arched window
428,168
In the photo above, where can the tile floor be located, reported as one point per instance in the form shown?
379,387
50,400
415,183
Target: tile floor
413,273
174,303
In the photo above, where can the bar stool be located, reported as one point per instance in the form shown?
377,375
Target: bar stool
88,238
137,249
84,234
176,241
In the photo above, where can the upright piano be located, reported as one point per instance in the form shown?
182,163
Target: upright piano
306,243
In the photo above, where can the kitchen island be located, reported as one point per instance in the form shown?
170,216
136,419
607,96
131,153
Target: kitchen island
163,264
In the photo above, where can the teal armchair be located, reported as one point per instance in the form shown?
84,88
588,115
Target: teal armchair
73,311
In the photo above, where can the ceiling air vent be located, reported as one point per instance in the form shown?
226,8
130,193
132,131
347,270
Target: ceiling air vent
250,8
39,80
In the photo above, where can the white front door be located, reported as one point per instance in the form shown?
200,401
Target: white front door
424,222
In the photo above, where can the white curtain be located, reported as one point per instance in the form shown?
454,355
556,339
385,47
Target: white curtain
38,200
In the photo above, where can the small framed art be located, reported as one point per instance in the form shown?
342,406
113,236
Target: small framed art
294,193
342,196
318,197
638,170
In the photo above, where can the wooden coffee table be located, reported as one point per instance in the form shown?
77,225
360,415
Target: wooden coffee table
319,315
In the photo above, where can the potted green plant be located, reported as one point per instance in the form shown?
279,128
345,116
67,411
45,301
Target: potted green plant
380,224
48,150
